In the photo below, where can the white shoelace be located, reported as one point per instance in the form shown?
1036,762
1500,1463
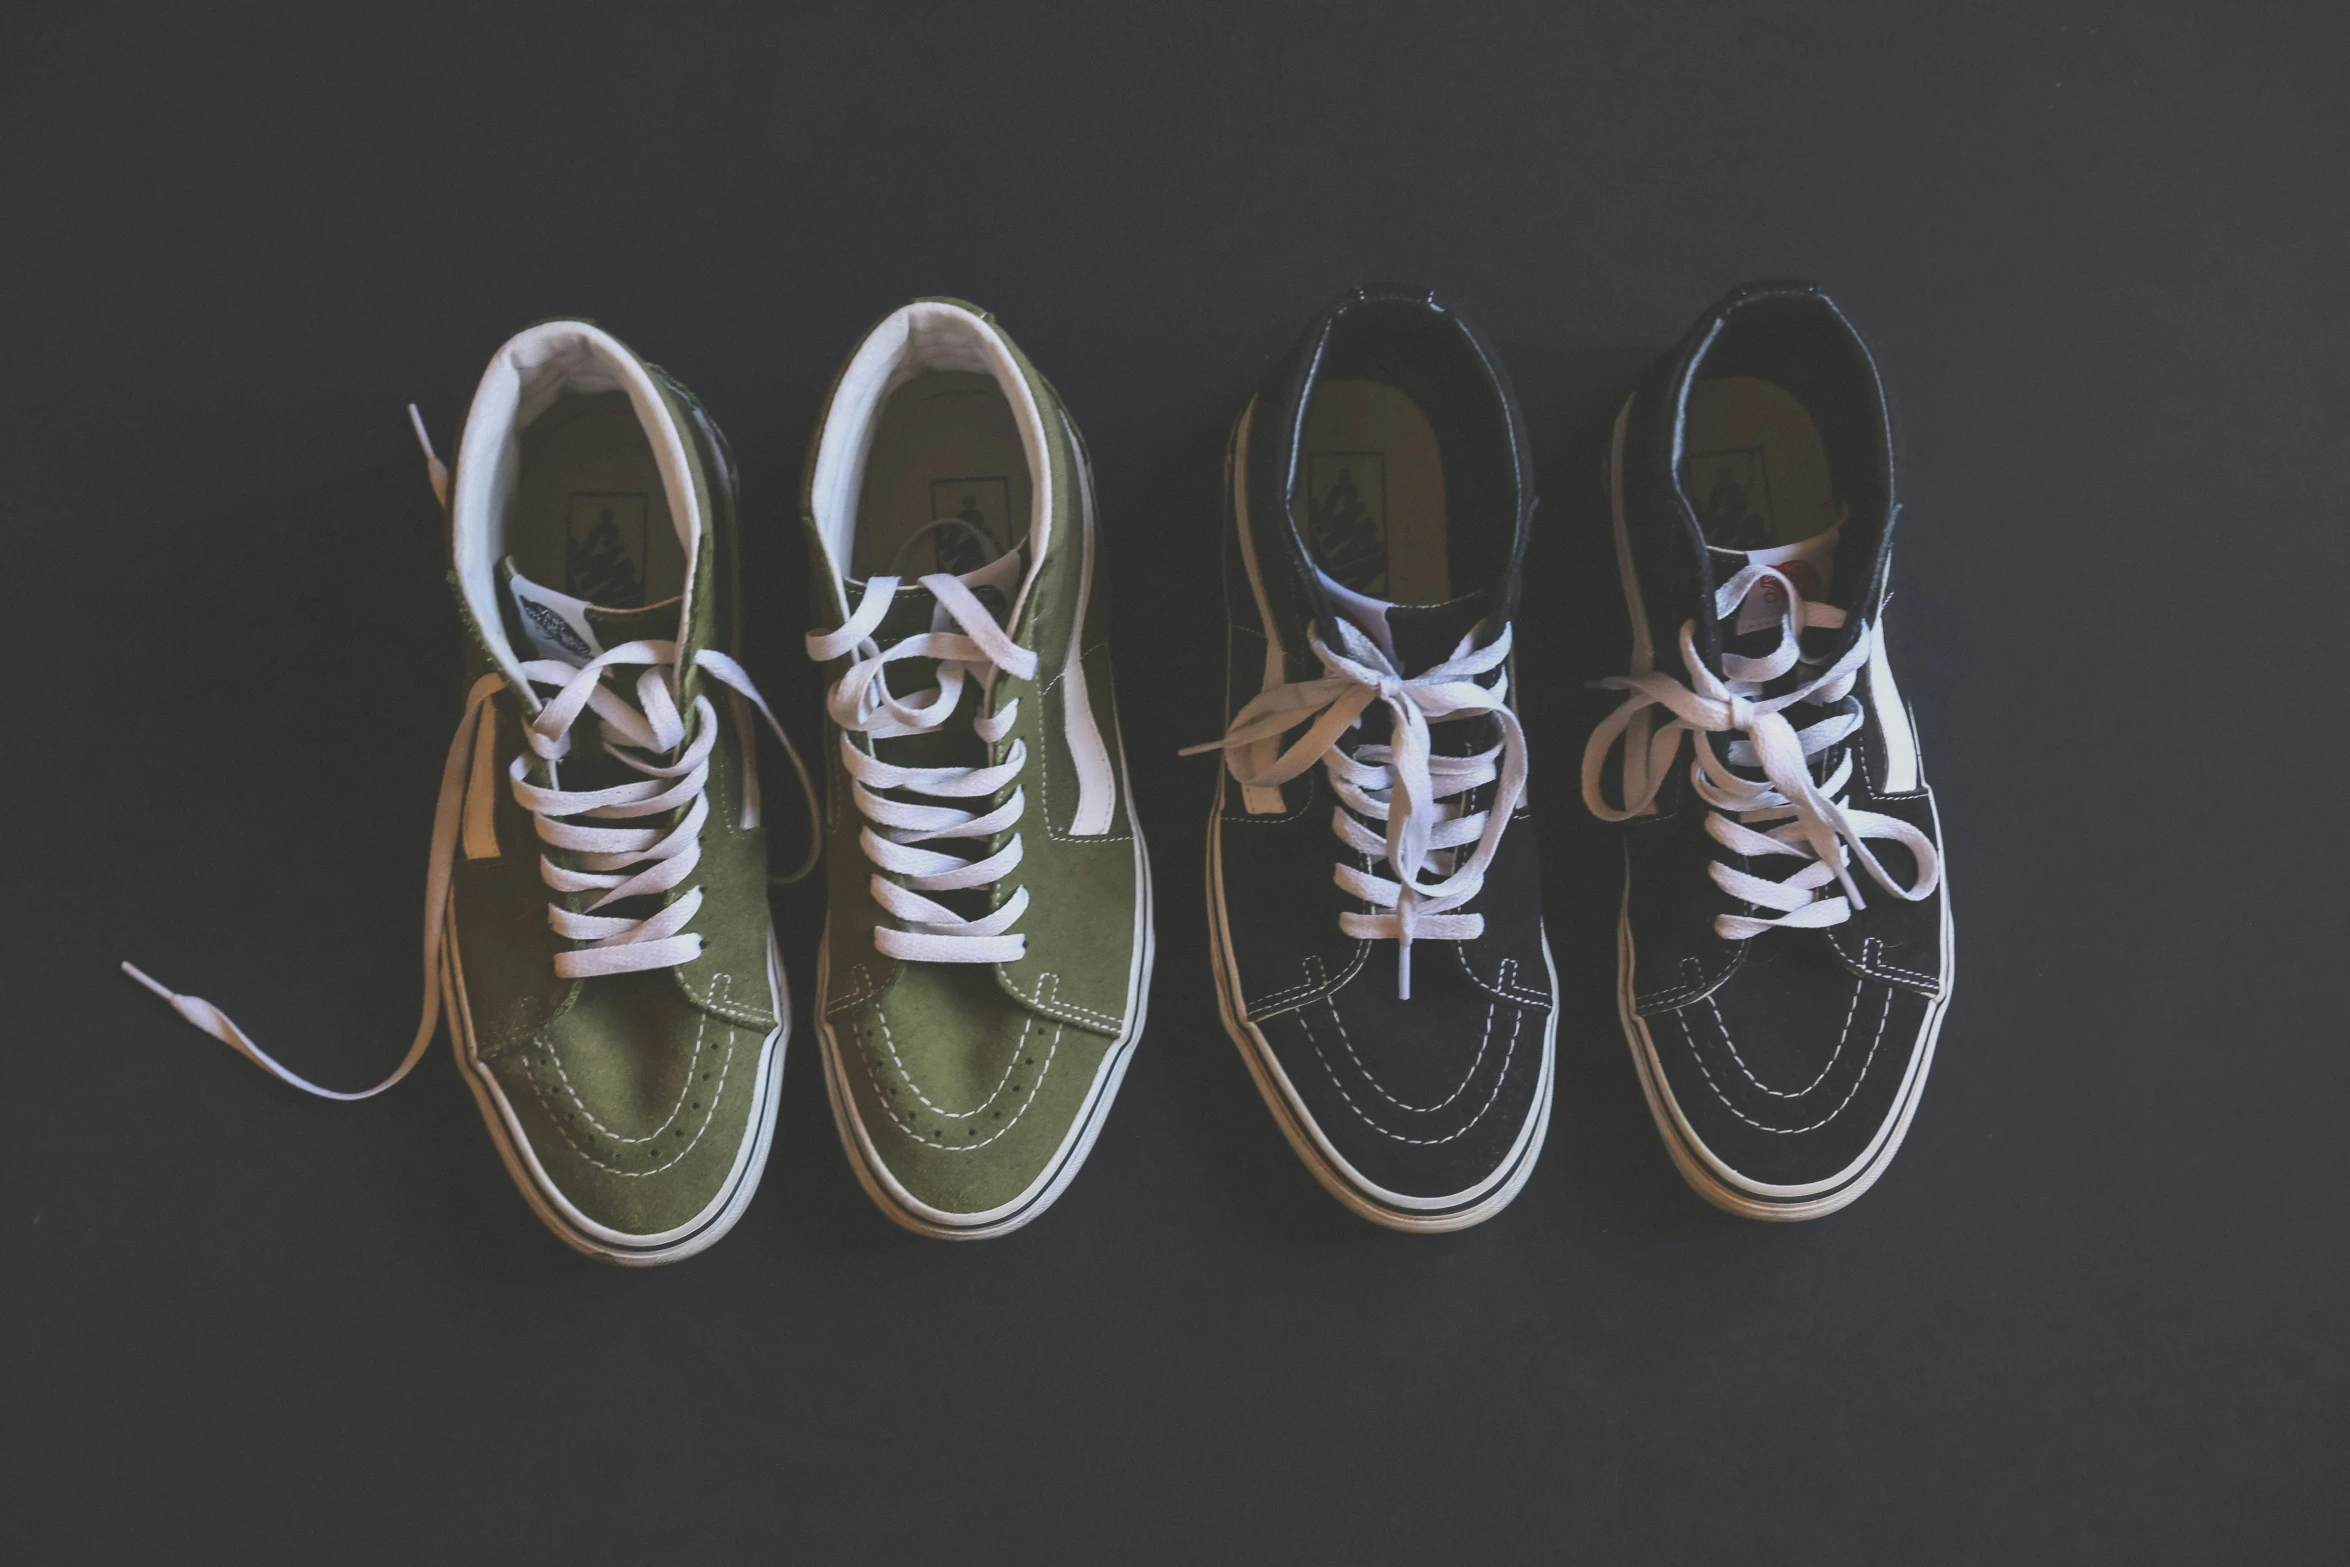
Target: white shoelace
1814,824
1413,794
861,702
618,862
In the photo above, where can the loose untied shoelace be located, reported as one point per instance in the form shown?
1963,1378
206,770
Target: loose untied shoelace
1815,825
1413,794
616,862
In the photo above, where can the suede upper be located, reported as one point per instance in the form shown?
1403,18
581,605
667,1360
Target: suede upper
966,1083
1789,1055
636,1095
1430,1097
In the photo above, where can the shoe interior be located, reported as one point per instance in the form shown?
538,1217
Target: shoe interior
946,449
1755,467
1405,483
1374,492
589,515
1785,434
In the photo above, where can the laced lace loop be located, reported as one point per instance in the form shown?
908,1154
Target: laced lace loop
1813,822
637,737
976,652
1414,794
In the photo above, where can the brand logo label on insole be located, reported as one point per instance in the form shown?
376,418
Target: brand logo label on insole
1346,512
1732,490
985,502
604,561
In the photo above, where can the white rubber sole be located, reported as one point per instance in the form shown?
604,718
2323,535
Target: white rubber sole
575,1229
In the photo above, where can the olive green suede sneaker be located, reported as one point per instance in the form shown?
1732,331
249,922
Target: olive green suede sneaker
596,904
988,947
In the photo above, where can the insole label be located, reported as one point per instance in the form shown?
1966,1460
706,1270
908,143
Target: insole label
1756,472
1346,506
1732,493
604,560
1372,499
985,502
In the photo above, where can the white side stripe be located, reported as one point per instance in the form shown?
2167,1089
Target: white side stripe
1097,781
1901,741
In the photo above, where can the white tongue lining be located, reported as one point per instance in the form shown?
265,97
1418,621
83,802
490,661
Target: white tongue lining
929,335
555,623
523,380
1367,614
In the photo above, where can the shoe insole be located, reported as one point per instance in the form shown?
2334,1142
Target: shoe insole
1374,493
1754,466
946,446
589,516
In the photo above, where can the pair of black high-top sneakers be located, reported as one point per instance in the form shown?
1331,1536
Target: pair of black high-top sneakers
1373,894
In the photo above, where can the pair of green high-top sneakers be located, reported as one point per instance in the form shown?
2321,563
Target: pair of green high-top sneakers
596,921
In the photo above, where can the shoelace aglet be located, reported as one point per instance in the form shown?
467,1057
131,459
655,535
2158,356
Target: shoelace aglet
1403,969
193,1009
435,469
148,980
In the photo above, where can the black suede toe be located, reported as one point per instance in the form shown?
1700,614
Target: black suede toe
1428,1102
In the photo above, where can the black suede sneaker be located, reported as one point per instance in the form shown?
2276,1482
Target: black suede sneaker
1784,947
1373,899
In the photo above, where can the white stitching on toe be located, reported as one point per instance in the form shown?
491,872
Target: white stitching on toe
1316,978
725,1066
865,990
1055,1003
1689,989
1872,953
1505,985
1859,1077
1518,1022
1858,985
889,1040
882,1094
1485,1039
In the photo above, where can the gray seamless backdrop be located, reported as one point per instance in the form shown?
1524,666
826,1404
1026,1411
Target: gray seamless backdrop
2095,1312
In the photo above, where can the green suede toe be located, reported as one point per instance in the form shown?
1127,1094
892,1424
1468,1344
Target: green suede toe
966,1096
610,962
638,1113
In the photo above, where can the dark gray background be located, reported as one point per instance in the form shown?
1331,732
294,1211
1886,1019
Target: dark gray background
2095,1312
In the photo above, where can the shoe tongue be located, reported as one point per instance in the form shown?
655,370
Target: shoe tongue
572,630
1415,637
1425,636
995,584
1809,564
